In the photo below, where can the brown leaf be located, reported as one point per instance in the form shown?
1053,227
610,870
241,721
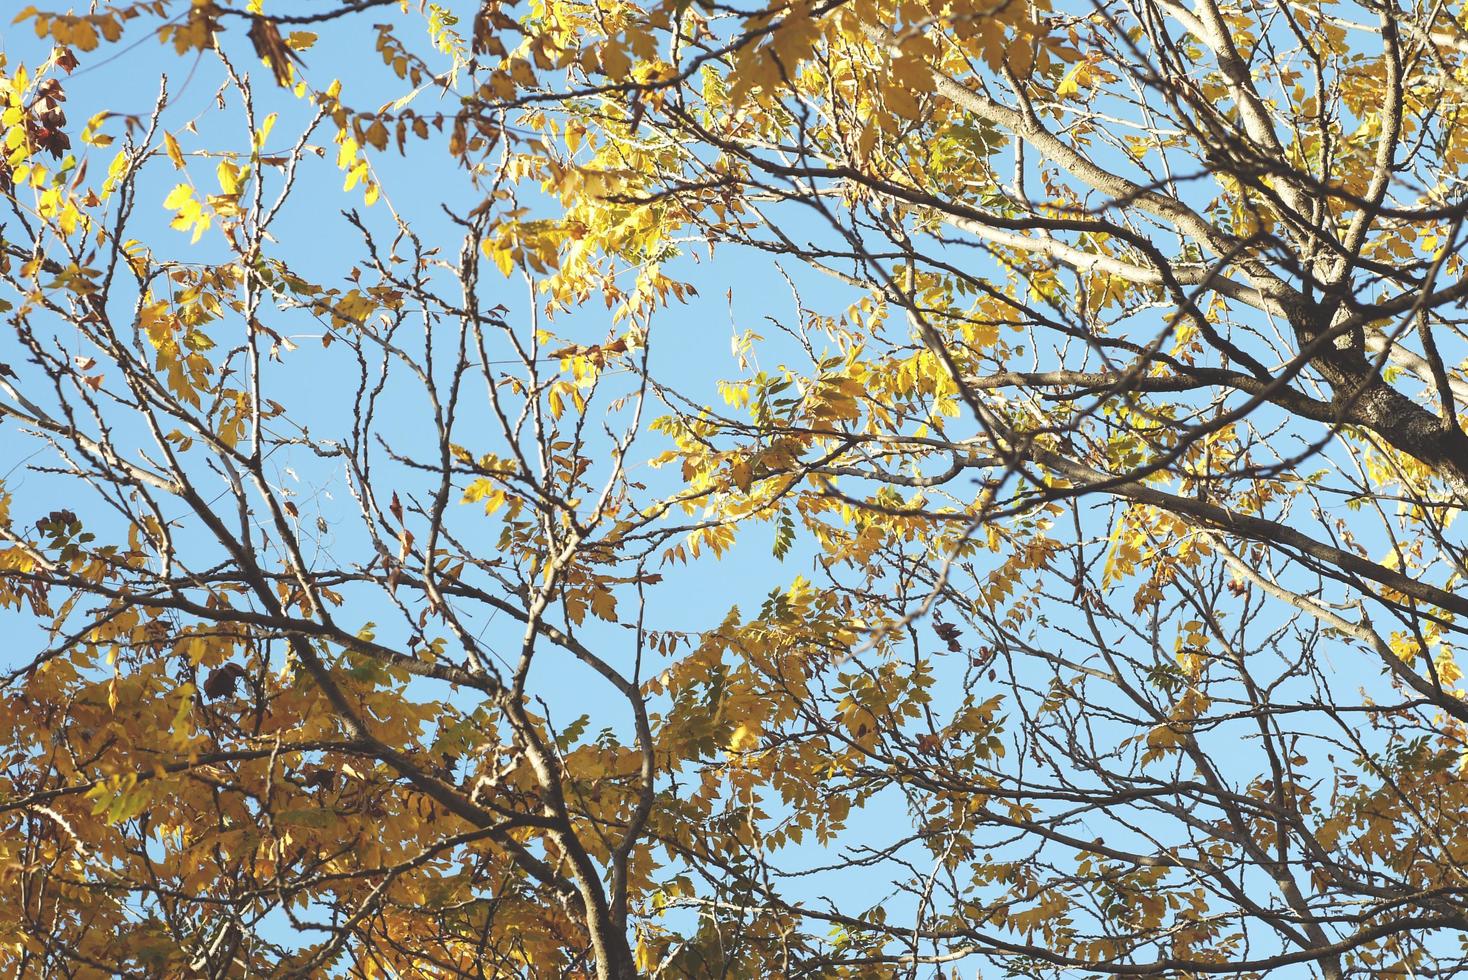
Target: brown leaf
223,681
949,634
49,118
271,47
319,779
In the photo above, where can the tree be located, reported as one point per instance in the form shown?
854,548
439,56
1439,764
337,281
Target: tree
1111,482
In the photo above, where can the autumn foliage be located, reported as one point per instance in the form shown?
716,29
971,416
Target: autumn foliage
1056,577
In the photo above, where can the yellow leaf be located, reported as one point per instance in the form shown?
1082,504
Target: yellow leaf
604,605
229,177
263,132
742,475
614,61
347,154
174,153
485,490
177,197
745,736
1074,79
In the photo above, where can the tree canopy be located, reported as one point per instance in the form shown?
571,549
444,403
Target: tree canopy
1055,577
